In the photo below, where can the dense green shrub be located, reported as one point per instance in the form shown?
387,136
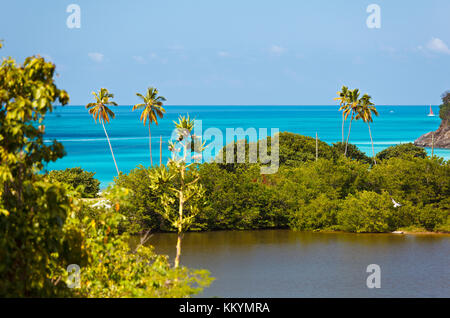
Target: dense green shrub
336,179
80,180
294,149
112,269
319,214
430,216
444,109
367,211
402,150
352,152
244,199
139,208
306,194
420,181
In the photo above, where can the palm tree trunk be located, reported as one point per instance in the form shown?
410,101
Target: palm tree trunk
112,153
348,136
150,144
373,151
343,122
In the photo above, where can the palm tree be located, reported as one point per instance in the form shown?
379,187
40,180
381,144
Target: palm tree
343,102
152,108
365,111
353,105
99,110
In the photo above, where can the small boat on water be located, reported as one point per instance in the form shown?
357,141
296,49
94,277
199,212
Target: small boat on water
431,114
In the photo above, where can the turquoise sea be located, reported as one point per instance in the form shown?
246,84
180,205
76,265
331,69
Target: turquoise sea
87,147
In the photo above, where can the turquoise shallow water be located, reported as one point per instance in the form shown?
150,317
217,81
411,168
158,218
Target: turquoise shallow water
87,147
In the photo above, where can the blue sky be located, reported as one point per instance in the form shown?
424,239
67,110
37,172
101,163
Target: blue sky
252,52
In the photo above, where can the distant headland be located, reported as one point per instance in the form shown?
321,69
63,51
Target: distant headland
441,137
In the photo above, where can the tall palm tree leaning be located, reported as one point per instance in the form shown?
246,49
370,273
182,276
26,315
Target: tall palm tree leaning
99,110
152,109
353,105
365,111
343,103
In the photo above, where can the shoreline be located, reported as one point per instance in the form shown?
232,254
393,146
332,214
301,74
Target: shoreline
289,229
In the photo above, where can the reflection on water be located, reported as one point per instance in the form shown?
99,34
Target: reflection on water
284,263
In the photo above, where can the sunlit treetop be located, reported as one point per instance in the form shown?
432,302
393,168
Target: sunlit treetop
27,93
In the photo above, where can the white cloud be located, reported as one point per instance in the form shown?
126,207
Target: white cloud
96,57
438,46
139,59
277,50
223,54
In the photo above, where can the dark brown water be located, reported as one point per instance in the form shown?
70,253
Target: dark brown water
284,263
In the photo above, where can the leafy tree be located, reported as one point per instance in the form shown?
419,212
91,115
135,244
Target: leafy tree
32,211
79,179
402,150
319,214
187,192
100,110
352,152
115,270
444,109
141,206
41,224
241,199
151,110
367,211
417,180
294,149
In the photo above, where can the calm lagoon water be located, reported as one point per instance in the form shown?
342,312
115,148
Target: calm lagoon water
284,263
87,147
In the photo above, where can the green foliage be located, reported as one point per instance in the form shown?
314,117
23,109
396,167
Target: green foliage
244,199
402,150
32,211
115,270
352,152
367,211
45,226
420,181
80,180
444,109
141,206
151,106
319,214
306,194
294,149
177,186
179,193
